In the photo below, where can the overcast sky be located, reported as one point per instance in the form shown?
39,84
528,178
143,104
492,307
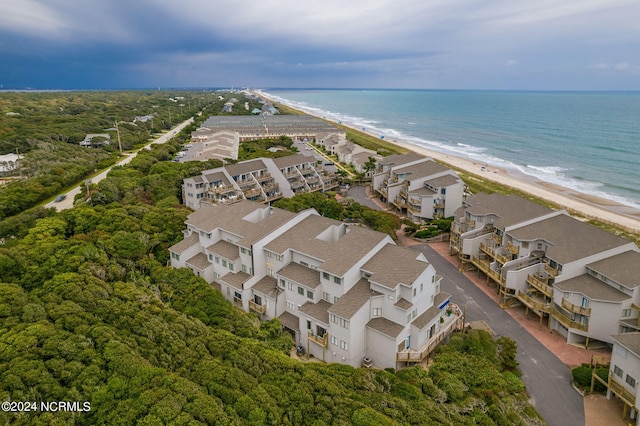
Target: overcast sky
439,44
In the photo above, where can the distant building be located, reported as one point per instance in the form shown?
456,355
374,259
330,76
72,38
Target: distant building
418,186
9,164
263,180
96,140
347,294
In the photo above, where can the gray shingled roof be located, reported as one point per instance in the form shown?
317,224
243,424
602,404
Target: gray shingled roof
423,169
236,280
386,327
393,265
290,321
623,268
317,311
181,246
570,239
217,176
337,256
199,261
231,218
267,286
225,249
591,287
443,181
245,167
428,315
403,304
301,274
293,160
631,341
510,210
400,159
353,300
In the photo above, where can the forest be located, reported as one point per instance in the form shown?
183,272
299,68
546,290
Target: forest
90,312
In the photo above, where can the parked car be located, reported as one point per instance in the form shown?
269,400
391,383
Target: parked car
59,198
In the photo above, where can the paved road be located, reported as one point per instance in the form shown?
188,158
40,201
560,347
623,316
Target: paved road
548,380
67,203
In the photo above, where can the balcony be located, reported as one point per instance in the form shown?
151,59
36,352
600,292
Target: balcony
490,250
293,173
261,309
319,340
503,257
551,270
534,304
252,192
513,249
221,189
415,210
576,309
540,283
622,392
451,323
400,202
438,204
568,322
274,196
237,301
264,177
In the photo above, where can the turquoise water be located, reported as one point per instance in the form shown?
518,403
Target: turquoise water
586,141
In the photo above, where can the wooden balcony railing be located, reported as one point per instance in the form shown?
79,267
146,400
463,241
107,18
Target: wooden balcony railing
221,189
540,284
575,308
513,249
533,303
320,340
237,301
452,322
488,249
567,322
550,270
261,309
400,202
264,177
502,258
622,392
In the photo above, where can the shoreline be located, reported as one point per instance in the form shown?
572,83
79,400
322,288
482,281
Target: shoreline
589,206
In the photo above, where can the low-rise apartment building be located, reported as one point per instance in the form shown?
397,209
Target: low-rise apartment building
578,277
263,180
418,187
346,293
624,374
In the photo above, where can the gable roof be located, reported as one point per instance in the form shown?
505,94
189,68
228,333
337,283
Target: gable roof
623,268
393,265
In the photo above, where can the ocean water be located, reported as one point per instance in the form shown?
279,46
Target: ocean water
585,141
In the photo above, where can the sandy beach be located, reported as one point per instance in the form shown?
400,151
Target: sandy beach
589,206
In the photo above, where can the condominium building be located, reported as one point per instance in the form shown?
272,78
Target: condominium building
263,180
624,374
346,293
418,187
580,278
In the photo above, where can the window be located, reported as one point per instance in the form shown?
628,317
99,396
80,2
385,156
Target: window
421,287
224,263
300,290
630,381
344,323
231,265
279,257
281,283
525,244
337,280
291,305
309,294
415,291
304,263
333,318
217,259
377,312
326,296
291,286
335,299
175,256
325,276
443,191
216,276
344,345
626,313
334,340
308,325
617,371
244,268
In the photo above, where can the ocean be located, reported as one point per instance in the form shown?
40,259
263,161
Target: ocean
586,141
